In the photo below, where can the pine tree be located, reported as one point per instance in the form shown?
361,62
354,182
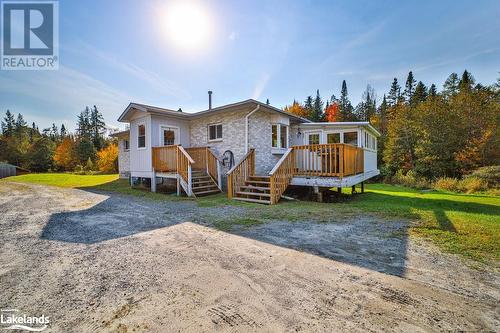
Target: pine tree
368,104
8,125
83,123
450,86
54,132
97,128
383,115
346,109
64,133
393,96
409,87
309,107
466,82
432,90
420,94
317,111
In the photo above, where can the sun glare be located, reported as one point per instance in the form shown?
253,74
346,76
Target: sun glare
187,24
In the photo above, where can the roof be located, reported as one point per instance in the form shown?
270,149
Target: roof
346,123
118,134
8,165
180,114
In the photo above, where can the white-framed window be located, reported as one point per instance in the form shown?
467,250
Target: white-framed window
370,141
332,137
279,136
214,132
126,145
169,135
313,139
141,136
351,138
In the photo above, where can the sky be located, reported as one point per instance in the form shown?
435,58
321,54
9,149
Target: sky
112,53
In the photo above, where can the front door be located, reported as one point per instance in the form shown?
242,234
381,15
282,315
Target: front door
169,136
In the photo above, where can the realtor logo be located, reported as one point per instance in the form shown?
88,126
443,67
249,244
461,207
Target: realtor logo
30,35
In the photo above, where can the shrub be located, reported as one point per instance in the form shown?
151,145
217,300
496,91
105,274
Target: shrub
107,159
89,166
409,179
472,185
446,184
489,174
79,170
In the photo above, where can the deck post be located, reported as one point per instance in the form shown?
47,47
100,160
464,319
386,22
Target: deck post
339,189
353,189
190,180
362,187
219,175
153,181
178,186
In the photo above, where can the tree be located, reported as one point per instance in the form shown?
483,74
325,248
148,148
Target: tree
297,109
65,156
450,86
317,110
54,132
409,87
367,108
8,124
308,106
21,125
345,106
63,131
466,82
83,123
85,150
382,111
420,94
332,113
97,128
40,155
107,159
432,90
394,93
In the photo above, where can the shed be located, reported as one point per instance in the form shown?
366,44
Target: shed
7,170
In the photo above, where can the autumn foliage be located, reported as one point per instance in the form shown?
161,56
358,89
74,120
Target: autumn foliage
332,113
107,159
297,109
65,156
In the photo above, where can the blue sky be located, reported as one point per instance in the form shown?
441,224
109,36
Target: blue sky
115,52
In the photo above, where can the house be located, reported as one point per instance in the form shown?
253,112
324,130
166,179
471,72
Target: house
250,149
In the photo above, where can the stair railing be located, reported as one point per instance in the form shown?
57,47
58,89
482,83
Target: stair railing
184,168
238,174
281,175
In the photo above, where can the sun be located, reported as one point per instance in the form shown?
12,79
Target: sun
187,24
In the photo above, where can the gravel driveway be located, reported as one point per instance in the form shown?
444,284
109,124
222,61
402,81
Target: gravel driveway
106,262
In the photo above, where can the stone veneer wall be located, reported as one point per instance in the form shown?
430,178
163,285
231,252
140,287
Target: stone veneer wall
123,159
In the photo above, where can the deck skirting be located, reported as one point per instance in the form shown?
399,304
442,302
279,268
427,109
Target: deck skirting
333,181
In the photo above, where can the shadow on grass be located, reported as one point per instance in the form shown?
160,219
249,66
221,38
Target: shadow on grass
343,232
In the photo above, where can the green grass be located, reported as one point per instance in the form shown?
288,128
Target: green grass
465,224
63,179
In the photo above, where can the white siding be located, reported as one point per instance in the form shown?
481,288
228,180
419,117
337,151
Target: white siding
182,125
370,160
140,158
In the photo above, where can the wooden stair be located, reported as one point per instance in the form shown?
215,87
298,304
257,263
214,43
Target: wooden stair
256,190
203,184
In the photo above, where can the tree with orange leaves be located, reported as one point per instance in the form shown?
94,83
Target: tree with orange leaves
65,156
107,159
297,109
332,113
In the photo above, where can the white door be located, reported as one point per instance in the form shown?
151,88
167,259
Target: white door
169,136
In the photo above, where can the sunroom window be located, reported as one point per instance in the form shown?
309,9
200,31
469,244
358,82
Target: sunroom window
279,136
141,136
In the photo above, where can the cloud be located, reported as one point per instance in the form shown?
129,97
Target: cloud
152,79
260,85
58,95
232,36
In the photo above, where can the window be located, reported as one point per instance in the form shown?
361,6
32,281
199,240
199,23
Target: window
274,136
283,136
141,136
313,139
279,137
351,138
126,145
215,132
370,141
168,137
333,138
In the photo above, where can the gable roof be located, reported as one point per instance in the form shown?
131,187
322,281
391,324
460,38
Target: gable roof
168,112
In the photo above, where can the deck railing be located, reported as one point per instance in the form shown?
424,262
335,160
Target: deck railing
238,174
206,160
174,159
321,160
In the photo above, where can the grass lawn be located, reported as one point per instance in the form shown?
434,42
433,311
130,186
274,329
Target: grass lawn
63,179
465,224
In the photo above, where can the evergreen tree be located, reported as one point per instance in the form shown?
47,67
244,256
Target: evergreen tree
450,86
393,96
420,94
383,115
85,150
83,123
466,82
64,133
8,125
317,111
54,132
41,155
368,104
409,87
97,128
432,90
345,106
309,107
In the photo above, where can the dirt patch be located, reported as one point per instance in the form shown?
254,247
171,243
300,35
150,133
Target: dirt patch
101,262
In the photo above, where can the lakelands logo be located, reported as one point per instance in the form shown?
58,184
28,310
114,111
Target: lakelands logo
30,35
12,319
